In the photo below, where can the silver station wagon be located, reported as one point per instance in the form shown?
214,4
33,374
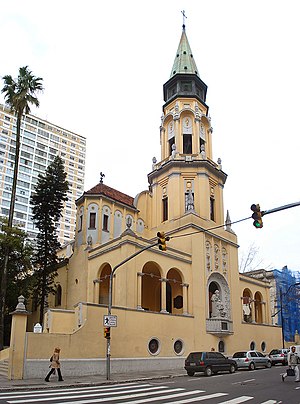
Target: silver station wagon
251,360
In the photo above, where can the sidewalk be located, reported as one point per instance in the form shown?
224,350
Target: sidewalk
37,384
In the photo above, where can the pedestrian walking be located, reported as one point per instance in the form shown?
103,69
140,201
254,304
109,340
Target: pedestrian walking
54,365
293,360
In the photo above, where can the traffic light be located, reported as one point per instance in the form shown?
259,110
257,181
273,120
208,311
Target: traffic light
162,240
106,332
257,216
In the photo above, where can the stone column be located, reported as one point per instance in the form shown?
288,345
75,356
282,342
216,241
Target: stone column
96,290
163,295
185,298
17,341
139,291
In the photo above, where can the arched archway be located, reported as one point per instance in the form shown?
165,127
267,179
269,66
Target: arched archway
104,275
174,298
258,302
151,287
218,295
213,287
247,305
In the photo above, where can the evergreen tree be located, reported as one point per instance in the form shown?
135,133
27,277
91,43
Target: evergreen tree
47,205
19,269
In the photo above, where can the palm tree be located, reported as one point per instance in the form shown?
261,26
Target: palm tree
19,95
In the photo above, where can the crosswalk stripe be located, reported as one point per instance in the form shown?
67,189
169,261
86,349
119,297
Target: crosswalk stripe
147,400
238,400
199,398
269,402
51,392
145,392
82,390
129,396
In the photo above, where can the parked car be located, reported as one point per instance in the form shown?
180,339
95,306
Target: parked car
209,363
279,356
251,359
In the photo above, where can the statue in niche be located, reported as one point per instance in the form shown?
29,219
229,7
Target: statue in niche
173,151
217,306
189,201
202,150
89,240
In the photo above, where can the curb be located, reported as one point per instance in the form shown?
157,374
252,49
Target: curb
57,385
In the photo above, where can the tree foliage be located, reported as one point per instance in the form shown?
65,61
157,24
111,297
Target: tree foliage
47,205
19,269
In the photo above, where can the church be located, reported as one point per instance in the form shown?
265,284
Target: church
160,303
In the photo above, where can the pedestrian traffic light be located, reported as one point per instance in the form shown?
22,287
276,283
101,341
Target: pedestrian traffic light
162,240
106,332
257,216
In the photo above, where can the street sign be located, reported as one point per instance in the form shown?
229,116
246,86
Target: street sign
110,321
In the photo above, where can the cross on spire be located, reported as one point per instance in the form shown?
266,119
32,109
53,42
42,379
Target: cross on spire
183,17
101,177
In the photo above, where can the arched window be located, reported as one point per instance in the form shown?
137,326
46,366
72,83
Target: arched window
187,135
58,296
104,284
221,346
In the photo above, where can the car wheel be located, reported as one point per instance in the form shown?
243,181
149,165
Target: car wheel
268,365
208,371
232,369
252,366
284,363
190,373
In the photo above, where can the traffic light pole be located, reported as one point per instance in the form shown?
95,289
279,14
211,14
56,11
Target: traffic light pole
290,205
110,301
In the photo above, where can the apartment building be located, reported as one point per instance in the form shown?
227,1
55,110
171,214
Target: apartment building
41,141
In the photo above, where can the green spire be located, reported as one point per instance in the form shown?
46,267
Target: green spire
184,62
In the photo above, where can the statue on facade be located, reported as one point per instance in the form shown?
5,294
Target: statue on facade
89,240
217,306
189,201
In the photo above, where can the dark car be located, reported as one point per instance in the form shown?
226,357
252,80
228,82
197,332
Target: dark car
209,363
279,356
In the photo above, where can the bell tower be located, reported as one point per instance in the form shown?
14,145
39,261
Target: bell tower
186,180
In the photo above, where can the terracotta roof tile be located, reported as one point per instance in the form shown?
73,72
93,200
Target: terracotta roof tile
102,189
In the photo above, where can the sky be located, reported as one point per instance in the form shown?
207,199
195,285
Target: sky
104,64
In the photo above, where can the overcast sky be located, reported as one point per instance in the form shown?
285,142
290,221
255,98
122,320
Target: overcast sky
104,65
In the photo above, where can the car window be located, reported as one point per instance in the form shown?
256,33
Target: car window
275,352
253,354
239,355
260,354
219,355
195,356
211,355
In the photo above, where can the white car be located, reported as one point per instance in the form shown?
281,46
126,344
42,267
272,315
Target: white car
251,360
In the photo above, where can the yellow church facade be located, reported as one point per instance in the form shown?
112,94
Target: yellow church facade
164,304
